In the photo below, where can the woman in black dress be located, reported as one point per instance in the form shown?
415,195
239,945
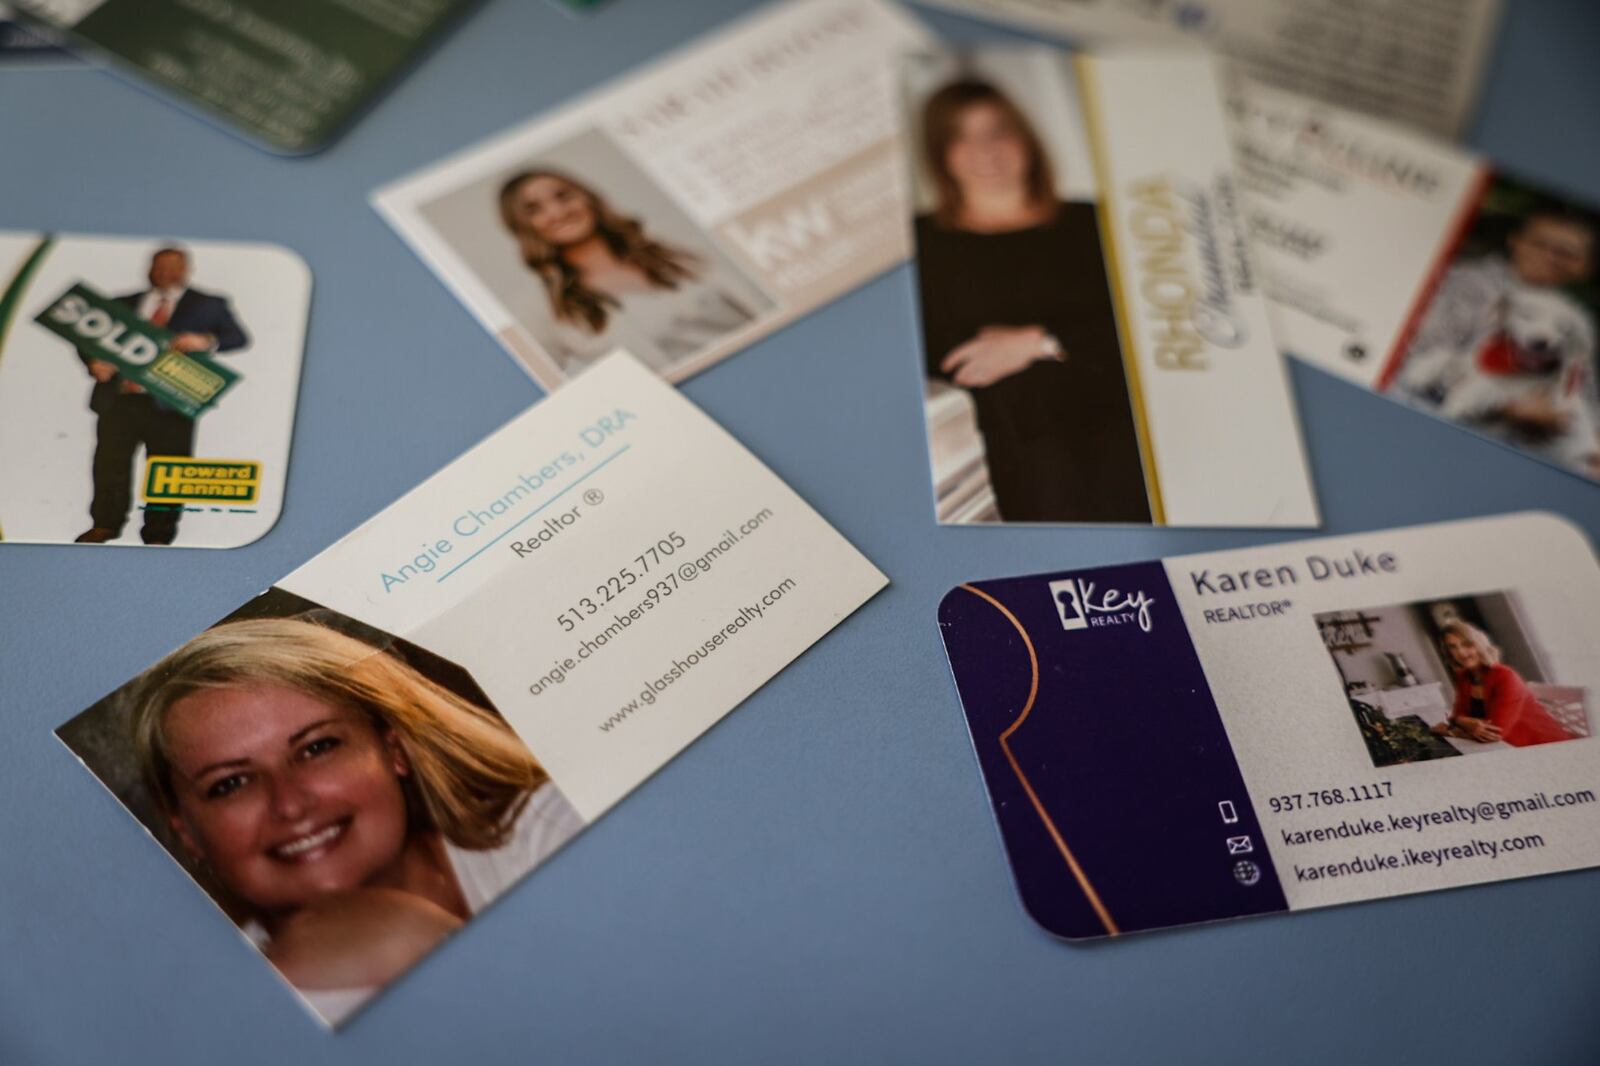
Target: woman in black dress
1017,310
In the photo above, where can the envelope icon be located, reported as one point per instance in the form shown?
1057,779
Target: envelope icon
1240,846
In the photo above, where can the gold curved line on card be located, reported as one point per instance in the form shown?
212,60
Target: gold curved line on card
1027,786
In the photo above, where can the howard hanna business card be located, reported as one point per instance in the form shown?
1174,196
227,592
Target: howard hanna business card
686,211
1095,346
147,388
289,76
356,762
1245,732
1418,271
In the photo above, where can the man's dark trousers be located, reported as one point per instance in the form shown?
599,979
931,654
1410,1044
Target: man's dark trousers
127,421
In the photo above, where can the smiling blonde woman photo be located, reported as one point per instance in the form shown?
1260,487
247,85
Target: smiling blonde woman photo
347,811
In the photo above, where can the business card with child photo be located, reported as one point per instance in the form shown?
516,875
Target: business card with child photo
1422,272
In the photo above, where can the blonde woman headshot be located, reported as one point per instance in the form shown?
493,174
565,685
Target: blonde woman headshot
1017,310
346,811
1492,702
609,282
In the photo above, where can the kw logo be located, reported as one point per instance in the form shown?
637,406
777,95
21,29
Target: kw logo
774,242
1081,606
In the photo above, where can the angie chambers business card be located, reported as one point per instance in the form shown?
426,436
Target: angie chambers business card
687,210
1419,271
1245,732
1096,348
359,760
147,388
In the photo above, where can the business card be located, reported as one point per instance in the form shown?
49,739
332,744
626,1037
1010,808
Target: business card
287,76
1096,346
1423,273
19,42
1246,732
147,388
1422,65
687,210
358,761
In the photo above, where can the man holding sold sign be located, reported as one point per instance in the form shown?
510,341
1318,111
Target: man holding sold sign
143,395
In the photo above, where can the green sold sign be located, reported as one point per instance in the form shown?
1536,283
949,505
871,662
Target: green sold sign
112,332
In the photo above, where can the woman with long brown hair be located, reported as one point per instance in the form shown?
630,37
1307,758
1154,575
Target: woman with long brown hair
1016,309
610,282
346,810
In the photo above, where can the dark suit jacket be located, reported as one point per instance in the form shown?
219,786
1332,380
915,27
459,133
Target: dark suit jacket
196,312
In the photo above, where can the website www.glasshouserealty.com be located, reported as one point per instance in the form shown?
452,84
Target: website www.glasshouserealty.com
656,685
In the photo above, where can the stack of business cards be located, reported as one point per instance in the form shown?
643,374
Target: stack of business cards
1113,252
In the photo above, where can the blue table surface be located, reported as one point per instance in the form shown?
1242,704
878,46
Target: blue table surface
819,878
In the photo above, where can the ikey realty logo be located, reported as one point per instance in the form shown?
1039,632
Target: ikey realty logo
1081,605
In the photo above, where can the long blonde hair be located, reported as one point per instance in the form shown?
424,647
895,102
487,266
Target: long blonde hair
470,774
662,264
1486,648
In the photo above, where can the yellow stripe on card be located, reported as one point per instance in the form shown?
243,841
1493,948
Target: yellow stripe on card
1094,122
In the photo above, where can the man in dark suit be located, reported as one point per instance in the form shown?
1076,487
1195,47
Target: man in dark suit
130,417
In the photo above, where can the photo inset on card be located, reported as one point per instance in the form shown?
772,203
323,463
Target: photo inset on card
1029,413
1439,678
147,388
1505,344
347,798
589,255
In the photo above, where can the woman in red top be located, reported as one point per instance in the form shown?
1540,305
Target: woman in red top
1492,701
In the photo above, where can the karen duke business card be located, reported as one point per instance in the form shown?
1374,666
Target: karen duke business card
1279,728
359,760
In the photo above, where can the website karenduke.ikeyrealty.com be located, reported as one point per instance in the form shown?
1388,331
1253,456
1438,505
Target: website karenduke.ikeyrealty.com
1416,834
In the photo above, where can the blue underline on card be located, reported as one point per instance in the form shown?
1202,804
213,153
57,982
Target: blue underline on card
512,528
